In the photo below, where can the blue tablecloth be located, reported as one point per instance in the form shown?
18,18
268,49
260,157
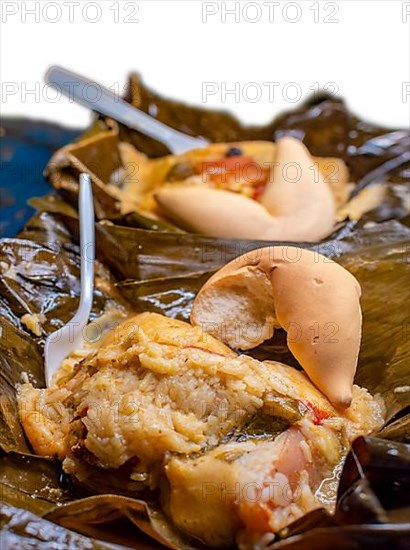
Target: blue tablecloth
26,147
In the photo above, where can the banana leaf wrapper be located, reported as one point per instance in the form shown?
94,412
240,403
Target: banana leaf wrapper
373,507
148,270
373,154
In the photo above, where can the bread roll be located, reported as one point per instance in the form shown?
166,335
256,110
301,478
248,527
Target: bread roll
315,300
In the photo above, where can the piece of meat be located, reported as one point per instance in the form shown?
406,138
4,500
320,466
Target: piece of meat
253,488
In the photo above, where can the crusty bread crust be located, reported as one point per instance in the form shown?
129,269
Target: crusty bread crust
315,300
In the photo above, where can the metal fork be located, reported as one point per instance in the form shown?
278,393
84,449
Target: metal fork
77,88
61,343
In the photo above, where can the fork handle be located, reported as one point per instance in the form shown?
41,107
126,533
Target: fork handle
105,102
87,246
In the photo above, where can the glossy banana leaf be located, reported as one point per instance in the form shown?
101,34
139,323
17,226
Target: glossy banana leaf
24,530
31,482
149,270
372,511
325,124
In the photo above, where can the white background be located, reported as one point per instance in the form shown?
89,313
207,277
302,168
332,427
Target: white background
180,46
